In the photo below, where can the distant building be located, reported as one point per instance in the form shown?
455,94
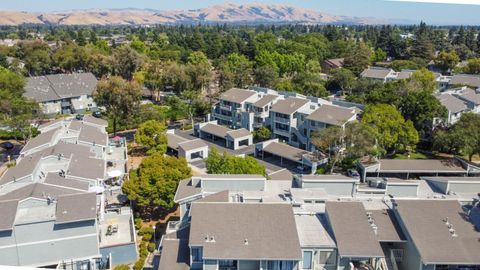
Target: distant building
63,93
330,64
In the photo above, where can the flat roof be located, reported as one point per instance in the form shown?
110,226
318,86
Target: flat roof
313,231
353,234
289,105
329,177
332,115
452,179
239,133
174,140
217,130
285,151
237,95
425,222
282,174
247,231
76,207
420,165
388,229
192,145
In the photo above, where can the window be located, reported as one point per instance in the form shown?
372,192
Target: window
227,263
286,265
307,260
196,254
327,258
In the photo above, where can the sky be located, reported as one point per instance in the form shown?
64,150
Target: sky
465,12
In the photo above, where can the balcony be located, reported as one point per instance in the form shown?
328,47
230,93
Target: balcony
282,120
281,132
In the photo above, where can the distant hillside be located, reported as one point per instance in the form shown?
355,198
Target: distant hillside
226,13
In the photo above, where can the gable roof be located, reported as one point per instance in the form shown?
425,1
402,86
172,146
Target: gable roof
237,95
95,121
465,79
60,86
452,103
239,133
375,73
92,135
192,144
217,130
289,105
470,95
265,100
8,210
353,234
332,115
245,231
42,139
425,221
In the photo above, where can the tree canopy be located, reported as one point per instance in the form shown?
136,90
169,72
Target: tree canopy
227,164
152,135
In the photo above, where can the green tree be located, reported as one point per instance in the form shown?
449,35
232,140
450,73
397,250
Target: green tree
473,66
235,71
120,98
226,164
70,57
358,59
266,76
391,130
447,60
462,138
422,79
125,62
262,134
152,186
421,107
152,135
344,78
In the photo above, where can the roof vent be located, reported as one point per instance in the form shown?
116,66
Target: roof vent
245,242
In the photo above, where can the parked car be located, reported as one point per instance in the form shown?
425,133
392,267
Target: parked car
97,114
79,116
353,173
7,145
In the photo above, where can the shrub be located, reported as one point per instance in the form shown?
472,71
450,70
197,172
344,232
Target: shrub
147,237
139,264
145,230
143,250
151,247
138,224
121,267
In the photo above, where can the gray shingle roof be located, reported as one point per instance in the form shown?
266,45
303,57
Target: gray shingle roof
464,79
174,140
332,115
217,130
470,95
289,105
8,210
77,207
353,234
93,135
375,73
57,180
237,95
185,190
59,86
425,221
388,229
96,167
245,231
175,255
41,139
239,133
420,165
452,103
286,151
95,121
39,191
193,144
265,100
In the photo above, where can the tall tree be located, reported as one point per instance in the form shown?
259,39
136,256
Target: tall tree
152,135
125,62
227,164
447,60
358,59
121,98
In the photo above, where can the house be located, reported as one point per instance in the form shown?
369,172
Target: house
62,93
454,105
330,64
54,198
188,149
465,80
379,74
233,139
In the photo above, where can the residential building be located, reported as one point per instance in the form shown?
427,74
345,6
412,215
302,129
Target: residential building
188,149
330,64
379,74
62,93
55,209
323,222
230,138
458,101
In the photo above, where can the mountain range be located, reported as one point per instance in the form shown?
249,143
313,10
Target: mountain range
254,13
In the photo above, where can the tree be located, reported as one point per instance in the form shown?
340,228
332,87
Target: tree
266,76
344,78
198,68
330,140
421,107
235,71
423,46
399,65
226,164
125,62
358,59
152,186
379,55
447,60
422,80
70,57
473,66
391,130
120,98
262,134
152,135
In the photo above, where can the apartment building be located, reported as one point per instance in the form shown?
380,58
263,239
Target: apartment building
324,222
62,93
291,117
458,101
55,205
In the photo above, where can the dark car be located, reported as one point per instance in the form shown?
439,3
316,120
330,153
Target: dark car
97,114
79,116
7,145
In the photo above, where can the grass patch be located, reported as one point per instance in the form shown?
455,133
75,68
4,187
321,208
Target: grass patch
414,155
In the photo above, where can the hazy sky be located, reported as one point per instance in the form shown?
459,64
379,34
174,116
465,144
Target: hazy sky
411,10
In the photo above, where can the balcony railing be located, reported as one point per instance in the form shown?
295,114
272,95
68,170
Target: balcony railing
282,120
225,107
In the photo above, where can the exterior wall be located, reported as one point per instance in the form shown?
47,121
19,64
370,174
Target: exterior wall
210,265
411,257
50,108
188,154
333,188
236,143
443,186
45,243
83,103
232,185
402,190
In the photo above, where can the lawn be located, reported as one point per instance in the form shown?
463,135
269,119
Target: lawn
414,155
